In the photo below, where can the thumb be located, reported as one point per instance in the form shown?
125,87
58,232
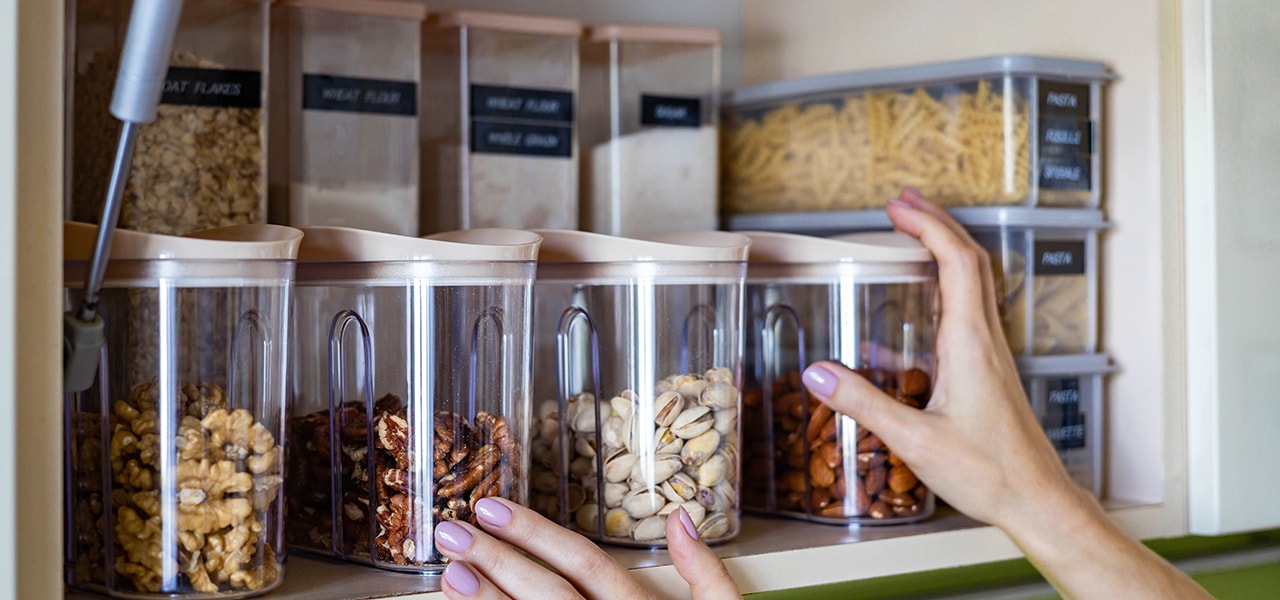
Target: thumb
696,563
851,394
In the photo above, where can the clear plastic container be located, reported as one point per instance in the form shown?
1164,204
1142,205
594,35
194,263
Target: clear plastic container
1066,396
650,112
499,148
202,163
349,111
866,300
638,346
410,396
174,462
999,130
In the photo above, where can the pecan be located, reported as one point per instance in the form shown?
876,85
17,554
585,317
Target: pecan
471,472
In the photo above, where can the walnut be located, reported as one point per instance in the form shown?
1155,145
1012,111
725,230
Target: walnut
236,433
200,400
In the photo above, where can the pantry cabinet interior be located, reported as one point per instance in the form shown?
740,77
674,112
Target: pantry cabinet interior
1161,149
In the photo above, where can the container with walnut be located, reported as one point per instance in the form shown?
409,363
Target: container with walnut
638,361
174,456
867,301
202,162
409,396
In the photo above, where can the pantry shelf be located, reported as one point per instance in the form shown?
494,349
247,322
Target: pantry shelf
769,554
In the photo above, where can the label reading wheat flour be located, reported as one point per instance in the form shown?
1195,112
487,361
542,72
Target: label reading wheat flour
356,95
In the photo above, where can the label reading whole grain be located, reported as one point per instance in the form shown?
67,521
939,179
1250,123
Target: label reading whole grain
670,111
521,104
351,94
1060,257
490,137
531,122
212,87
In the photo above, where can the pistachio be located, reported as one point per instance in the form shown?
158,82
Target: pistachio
615,430
619,466
667,407
614,493
718,394
617,523
548,409
713,471
690,386
576,496
716,525
585,447
648,474
650,528
697,450
726,421
585,517
623,404
722,374
679,487
582,467
642,503
584,420
697,512
693,422
665,442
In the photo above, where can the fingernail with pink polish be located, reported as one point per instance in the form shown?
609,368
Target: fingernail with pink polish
900,203
493,513
687,522
820,380
461,578
452,537
912,194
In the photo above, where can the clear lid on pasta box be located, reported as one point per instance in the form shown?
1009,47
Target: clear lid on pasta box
839,222
1061,69
872,257
680,257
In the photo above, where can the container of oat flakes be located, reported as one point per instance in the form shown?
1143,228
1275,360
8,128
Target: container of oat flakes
867,301
174,461
638,345
202,163
348,106
410,397
499,147
649,136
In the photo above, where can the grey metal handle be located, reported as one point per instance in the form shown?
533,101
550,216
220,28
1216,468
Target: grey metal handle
145,59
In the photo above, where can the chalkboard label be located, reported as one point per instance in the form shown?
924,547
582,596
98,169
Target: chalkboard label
668,111
496,137
351,94
212,87
521,104
1059,258
1064,99
1070,172
1063,422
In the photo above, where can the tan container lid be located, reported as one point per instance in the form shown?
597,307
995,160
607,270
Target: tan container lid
769,247
346,244
567,246
674,34
392,9
506,22
237,242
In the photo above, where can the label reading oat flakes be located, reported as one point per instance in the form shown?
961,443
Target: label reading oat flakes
1060,257
670,111
352,94
229,88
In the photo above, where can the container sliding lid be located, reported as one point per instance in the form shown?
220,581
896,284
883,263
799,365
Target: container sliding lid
567,246
1064,364
346,244
508,22
768,247
236,242
391,9
1059,69
671,34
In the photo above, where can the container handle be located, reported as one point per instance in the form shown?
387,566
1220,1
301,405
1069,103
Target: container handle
343,320
248,326
707,316
565,353
772,367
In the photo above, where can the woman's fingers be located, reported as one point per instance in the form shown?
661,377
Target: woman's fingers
461,581
848,393
501,565
696,563
590,569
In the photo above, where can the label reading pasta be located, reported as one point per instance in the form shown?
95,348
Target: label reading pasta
1066,136
668,111
1062,421
1060,258
1064,99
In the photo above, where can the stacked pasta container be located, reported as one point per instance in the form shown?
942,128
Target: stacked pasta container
1009,144
638,355
868,301
410,396
174,463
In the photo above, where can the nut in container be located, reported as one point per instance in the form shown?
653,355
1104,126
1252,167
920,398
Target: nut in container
410,393
638,347
867,301
174,459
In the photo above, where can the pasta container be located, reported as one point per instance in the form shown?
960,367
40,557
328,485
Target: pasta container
173,456
866,300
202,163
1066,396
349,113
638,347
1000,130
649,129
1045,264
410,397
499,147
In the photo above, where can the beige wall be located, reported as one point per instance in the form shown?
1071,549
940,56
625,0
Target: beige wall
804,37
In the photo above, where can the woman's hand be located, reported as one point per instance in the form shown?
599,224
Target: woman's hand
977,444
485,564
